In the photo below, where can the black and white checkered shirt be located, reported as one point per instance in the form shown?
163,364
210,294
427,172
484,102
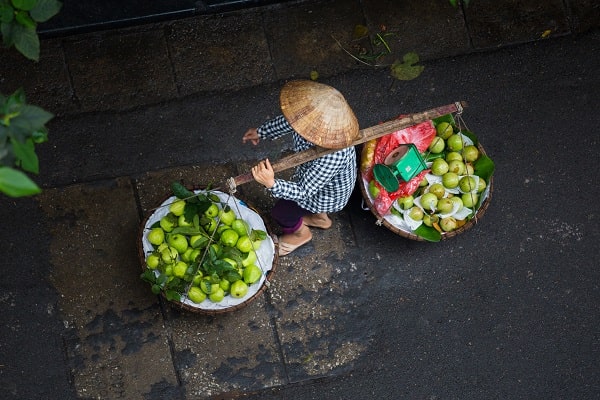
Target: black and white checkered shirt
321,185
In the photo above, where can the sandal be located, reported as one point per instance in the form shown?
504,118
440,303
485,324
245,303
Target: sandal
287,248
319,220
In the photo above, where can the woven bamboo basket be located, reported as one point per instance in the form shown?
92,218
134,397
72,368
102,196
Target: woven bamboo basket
267,258
385,221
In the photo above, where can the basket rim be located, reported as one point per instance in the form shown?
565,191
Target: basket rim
444,235
217,311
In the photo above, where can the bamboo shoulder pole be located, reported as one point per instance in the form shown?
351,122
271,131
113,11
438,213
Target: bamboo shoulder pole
364,135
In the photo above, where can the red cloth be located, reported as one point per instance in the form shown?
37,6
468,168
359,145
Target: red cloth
421,136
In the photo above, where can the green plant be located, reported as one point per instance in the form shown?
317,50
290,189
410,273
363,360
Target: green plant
18,23
22,126
373,49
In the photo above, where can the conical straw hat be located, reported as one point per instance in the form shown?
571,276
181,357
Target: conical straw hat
319,113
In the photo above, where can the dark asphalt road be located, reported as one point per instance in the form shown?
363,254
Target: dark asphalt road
511,308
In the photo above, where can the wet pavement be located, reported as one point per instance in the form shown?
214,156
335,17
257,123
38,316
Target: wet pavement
508,309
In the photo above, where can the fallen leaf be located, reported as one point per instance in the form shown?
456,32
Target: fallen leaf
360,31
407,70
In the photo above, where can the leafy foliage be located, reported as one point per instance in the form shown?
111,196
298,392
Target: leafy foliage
22,126
18,23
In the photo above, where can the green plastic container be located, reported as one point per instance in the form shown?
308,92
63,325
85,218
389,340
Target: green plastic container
403,163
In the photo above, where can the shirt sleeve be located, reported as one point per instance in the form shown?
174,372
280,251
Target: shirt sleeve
274,128
315,175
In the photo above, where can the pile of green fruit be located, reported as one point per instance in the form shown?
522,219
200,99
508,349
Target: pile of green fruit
201,250
455,188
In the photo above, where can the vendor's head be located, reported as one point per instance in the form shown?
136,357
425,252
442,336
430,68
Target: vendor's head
319,113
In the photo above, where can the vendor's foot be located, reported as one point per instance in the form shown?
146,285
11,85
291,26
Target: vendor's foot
318,220
291,241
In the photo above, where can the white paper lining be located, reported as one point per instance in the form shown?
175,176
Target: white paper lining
265,254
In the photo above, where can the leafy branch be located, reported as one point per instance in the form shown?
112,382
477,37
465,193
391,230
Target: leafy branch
18,23
22,126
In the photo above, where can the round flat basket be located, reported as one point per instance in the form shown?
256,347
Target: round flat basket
266,256
396,225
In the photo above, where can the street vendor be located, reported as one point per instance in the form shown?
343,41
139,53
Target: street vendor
315,115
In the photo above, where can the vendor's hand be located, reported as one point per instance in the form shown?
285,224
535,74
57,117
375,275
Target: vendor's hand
252,136
263,173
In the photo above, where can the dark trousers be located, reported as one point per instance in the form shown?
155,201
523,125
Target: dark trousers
288,214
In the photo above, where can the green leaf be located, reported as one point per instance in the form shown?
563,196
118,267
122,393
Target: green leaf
406,70
27,42
39,136
7,13
25,155
411,58
32,118
24,4
190,210
3,135
233,253
232,276
454,3
24,19
201,242
188,230
180,191
257,234
221,266
213,197
45,9
484,167
470,135
13,103
449,118
162,279
360,31
15,183
7,30
428,233
148,276
172,295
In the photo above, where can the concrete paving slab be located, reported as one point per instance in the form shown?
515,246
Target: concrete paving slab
309,293
209,52
33,334
46,82
120,70
494,25
154,187
300,42
119,348
231,352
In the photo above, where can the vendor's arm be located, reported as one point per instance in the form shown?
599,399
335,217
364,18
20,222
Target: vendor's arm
274,128
313,179
251,136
